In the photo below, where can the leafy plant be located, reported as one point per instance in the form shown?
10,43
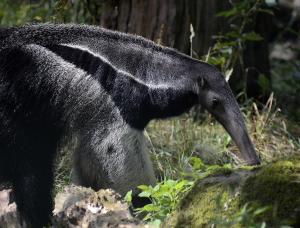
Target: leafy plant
164,198
227,53
20,12
166,195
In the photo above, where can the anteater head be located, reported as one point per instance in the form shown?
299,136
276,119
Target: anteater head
216,96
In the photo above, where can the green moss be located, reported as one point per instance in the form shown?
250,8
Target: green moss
203,203
219,198
276,185
216,199
221,170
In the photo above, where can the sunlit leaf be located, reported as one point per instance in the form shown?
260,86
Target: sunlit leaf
143,187
252,36
151,207
128,197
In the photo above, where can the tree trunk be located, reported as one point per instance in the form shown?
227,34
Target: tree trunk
256,59
168,23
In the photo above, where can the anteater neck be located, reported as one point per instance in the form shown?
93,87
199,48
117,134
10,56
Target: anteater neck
138,101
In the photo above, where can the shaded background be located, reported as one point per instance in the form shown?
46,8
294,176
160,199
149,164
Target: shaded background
255,42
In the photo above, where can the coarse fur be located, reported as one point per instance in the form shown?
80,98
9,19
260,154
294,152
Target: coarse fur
103,88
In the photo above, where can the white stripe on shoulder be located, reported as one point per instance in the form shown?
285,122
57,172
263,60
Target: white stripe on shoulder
105,60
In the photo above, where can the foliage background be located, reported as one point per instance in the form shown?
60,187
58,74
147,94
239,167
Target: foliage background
240,38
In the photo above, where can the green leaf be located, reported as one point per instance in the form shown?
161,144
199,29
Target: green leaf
128,197
227,166
156,188
144,194
181,184
151,207
233,34
216,60
143,187
227,13
252,36
197,163
171,182
260,210
225,45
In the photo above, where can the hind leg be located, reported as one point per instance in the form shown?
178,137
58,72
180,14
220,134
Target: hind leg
84,171
32,186
121,164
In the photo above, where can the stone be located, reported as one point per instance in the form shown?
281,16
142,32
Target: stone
82,207
219,199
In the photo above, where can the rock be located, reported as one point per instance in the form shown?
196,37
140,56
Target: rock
82,207
9,216
76,207
69,196
219,198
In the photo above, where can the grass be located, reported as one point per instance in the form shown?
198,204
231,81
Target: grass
271,133
173,142
176,145
179,146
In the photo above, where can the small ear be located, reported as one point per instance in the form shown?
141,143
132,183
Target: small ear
201,82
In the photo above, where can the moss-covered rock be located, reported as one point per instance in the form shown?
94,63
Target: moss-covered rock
219,199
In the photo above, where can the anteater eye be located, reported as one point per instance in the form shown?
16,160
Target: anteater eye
215,102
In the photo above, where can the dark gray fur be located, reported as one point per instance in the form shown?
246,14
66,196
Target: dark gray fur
101,88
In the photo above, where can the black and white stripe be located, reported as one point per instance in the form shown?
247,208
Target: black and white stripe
130,94
97,86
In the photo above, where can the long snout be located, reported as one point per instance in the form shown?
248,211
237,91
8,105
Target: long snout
233,121
239,134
